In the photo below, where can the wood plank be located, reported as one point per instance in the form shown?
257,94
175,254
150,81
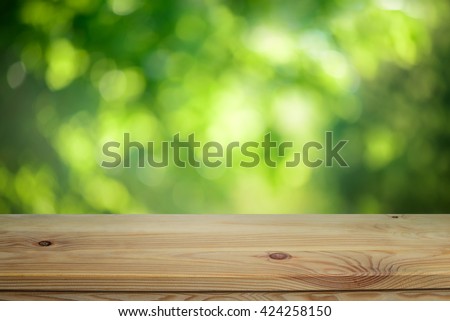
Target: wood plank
423,295
197,253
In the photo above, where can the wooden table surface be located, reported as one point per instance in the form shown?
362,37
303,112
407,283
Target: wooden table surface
199,257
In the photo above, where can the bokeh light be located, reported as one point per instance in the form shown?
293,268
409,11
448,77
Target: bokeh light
77,74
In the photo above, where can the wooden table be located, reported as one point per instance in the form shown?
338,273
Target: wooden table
225,257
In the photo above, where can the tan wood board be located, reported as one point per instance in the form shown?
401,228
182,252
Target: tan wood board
409,295
244,253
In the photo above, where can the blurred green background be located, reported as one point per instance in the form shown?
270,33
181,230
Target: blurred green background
78,73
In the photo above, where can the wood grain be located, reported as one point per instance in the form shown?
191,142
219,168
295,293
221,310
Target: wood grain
239,253
423,295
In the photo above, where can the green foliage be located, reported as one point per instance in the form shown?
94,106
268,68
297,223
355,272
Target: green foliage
79,73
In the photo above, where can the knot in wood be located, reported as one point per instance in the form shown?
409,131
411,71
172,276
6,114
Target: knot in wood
279,256
45,243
